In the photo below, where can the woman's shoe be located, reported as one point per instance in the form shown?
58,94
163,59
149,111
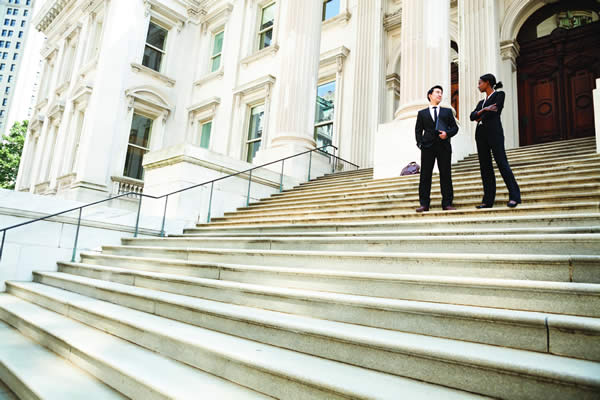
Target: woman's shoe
512,203
483,205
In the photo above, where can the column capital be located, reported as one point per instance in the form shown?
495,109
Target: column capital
510,50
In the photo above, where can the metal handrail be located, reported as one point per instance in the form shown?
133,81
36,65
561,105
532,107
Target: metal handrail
166,196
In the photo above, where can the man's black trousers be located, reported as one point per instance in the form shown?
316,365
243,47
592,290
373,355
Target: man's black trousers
442,152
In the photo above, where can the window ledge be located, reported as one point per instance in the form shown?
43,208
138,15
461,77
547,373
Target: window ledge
60,90
218,74
135,67
88,67
337,20
260,54
43,103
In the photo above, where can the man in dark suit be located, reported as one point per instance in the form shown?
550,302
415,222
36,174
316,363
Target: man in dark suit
433,130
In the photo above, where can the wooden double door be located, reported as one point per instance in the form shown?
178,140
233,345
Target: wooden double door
556,76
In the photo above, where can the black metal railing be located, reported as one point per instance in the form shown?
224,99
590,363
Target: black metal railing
321,150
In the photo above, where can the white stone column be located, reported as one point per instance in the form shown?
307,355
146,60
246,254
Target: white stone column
425,55
295,90
369,81
509,51
478,54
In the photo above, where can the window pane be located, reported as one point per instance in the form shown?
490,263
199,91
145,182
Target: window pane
205,138
156,36
152,58
256,122
140,131
252,149
268,17
218,45
325,102
216,63
323,135
331,8
133,163
265,39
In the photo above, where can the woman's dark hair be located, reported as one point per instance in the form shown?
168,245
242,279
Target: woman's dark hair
491,79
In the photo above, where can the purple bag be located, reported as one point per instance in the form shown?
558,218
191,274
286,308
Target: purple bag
411,169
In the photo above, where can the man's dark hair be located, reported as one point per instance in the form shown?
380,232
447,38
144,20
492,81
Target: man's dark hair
430,91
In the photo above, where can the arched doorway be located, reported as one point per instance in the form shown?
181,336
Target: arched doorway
556,71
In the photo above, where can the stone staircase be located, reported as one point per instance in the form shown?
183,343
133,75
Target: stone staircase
335,289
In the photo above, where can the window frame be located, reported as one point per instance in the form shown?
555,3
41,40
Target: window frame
260,31
247,141
332,120
145,150
163,52
219,54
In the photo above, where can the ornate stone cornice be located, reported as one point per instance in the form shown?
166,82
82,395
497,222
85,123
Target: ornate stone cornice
510,50
49,12
393,20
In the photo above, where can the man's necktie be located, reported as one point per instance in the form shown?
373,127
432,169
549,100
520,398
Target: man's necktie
435,118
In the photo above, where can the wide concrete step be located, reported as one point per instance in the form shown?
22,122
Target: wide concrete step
31,372
459,169
575,337
491,369
589,142
280,372
563,268
575,243
529,195
482,224
134,371
466,211
399,232
471,181
243,285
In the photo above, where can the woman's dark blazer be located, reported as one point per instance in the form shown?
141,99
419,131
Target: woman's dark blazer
490,120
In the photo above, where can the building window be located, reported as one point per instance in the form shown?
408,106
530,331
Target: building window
20,34
16,11
255,131
23,23
4,55
331,8
18,45
7,21
8,11
7,90
1,113
15,56
13,22
139,144
12,67
7,44
4,32
2,66
267,19
324,114
205,134
1,43
155,47
1,77
4,102
10,33
28,2
25,13
215,59
9,80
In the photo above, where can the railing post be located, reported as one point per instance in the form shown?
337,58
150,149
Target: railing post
137,219
281,177
76,235
2,244
333,162
309,164
162,227
249,183
212,184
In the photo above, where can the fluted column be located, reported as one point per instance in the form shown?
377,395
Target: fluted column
296,86
478,52
368,80
425,54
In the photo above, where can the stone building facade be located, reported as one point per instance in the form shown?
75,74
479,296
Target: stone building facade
157,94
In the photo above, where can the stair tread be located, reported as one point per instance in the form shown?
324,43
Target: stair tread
339,377
167,376
486,356
36,370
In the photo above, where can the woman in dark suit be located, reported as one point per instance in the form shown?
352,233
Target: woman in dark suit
489,136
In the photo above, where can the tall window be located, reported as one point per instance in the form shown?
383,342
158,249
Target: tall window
155,47
331,8
254,131
205,134
324,114
267,19
139,144
215,59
